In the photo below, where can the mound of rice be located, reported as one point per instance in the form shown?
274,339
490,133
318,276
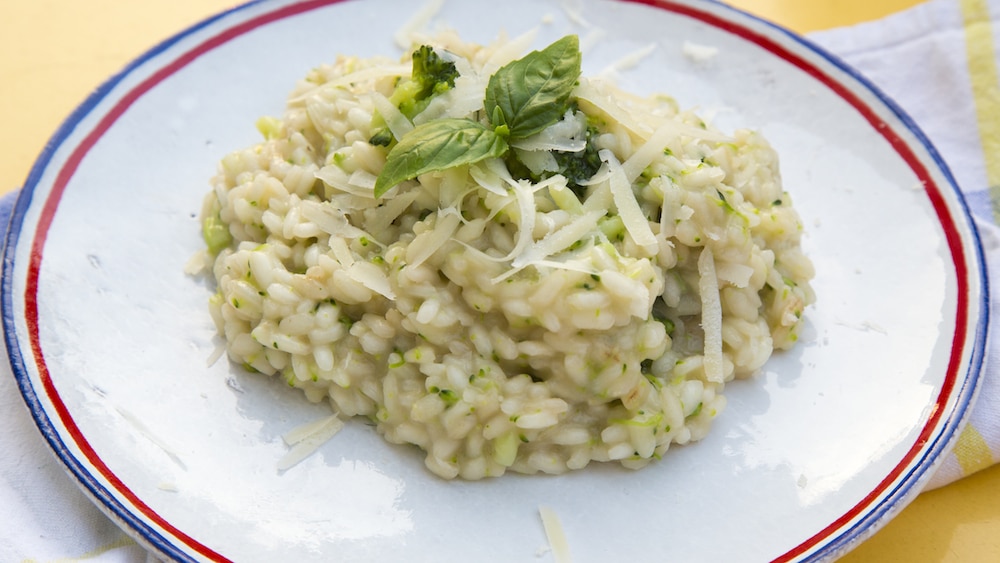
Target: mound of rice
500,315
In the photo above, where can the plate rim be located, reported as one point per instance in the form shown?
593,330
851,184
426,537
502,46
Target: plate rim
909,483
893,493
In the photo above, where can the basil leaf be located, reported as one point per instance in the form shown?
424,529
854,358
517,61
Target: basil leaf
531,93
438,145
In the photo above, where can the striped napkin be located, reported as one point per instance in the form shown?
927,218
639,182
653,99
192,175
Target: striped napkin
938,60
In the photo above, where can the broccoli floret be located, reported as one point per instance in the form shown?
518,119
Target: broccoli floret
580,166
431,75
577,167
434,74
381,138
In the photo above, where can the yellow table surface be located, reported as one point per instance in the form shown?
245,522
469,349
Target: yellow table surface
53,53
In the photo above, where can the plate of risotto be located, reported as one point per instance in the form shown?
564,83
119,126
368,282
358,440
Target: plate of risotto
377,280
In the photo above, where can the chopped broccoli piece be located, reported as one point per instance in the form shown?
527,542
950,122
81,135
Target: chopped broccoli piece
269,127
448,396
431,75
216,233
581,166
381,137
434,74
577,167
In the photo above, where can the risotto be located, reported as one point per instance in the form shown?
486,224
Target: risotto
503,262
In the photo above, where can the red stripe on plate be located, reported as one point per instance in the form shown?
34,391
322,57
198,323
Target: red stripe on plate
951,233
902,148
45,222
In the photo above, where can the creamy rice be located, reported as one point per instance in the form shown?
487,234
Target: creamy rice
502,323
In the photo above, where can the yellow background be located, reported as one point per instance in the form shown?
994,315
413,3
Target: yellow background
53,53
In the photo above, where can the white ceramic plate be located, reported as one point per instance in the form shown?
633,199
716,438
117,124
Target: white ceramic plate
109,339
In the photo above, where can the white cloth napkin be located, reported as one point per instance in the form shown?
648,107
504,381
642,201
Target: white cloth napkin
930,59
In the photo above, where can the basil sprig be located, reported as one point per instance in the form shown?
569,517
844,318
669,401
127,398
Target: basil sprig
438,145
522,98
529,94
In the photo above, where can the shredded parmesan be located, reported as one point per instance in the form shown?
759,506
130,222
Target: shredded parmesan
427,243
525,197
397,123
336,178
217,353
711,315
554,242
362,179
306,439
330,219
538,162
737,274
143,430
650,151
592,39
628,206
555,534
484,174
405,34
569,265
509,50
372,277
572,11
629,61
566,135
601,95
199,262
381,217
466,97
699,53
590,93
363,75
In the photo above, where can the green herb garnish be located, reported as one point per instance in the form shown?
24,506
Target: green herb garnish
522,98
531,93
438,145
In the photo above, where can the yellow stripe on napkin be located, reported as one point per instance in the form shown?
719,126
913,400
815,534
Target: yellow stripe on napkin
971,451
985,90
